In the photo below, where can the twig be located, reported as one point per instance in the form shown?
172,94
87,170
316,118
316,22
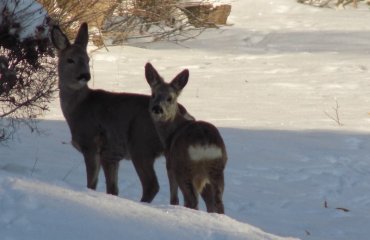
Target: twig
70,171
325,204
35,163
102,39
342,209
337,208
335,117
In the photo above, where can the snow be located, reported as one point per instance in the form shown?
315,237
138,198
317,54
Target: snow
271,82
30,206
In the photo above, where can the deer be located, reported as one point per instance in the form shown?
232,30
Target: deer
106,127
195,151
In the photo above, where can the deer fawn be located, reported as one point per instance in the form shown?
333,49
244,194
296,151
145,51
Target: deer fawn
105,126
195,151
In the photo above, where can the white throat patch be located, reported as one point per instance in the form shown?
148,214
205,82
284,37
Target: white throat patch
204,152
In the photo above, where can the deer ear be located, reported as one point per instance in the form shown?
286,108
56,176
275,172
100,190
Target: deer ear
82,37
180,81
151,75
59,39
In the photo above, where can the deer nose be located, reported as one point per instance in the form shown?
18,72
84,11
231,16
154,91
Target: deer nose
157,109
84,76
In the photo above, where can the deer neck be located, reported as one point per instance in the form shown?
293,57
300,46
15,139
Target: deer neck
168,129
71,98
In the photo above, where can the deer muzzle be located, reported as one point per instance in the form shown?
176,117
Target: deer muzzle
84,77
157,110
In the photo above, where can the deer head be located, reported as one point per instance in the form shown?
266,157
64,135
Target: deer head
163,105
73,66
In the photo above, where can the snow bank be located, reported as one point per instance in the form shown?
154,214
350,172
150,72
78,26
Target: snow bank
40,210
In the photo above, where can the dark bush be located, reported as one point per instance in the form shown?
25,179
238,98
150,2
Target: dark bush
27,65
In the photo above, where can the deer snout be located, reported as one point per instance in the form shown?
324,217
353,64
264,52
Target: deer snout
84,76
157,109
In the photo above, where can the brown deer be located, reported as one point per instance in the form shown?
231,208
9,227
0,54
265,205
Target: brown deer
105,126
196,154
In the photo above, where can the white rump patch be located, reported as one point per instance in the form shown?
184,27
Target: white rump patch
204,152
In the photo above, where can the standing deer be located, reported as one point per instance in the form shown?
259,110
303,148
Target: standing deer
105,126
196,154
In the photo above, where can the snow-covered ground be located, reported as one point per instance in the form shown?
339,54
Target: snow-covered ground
273,82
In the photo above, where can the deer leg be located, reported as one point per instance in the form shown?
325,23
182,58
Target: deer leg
148,179
173,188
190,195
218,186
208,197
92,163
174,198
111,176
219,205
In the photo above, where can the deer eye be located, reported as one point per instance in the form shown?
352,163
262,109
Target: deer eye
70,60
169,99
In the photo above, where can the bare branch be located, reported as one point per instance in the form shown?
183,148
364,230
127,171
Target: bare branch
335,115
